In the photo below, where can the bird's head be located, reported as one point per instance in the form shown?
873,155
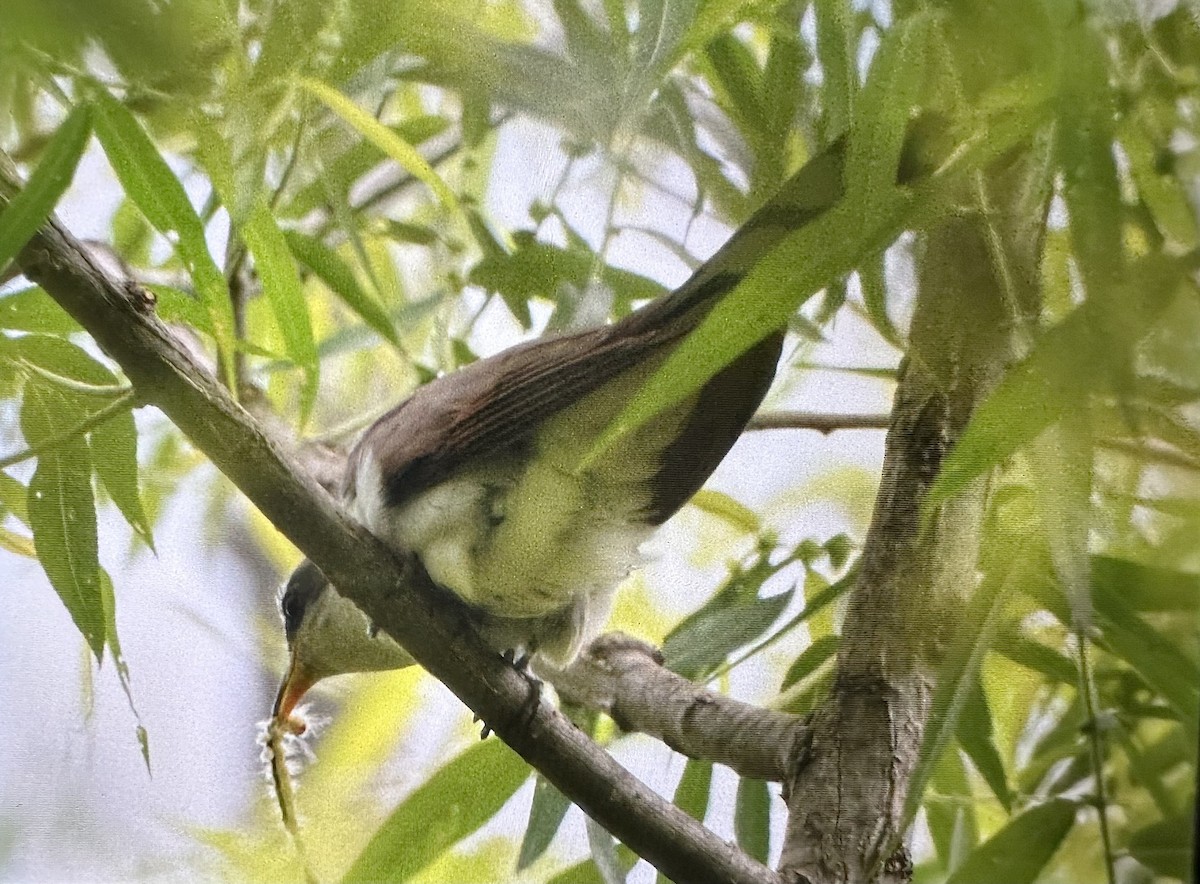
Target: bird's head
327,634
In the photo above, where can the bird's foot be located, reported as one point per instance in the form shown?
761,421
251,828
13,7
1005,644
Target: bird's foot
520,662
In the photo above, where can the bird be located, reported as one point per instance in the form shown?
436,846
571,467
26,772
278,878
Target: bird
488,474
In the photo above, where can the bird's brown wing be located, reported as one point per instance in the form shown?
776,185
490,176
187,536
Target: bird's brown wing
496,403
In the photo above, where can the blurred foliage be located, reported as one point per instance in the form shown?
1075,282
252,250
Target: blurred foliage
309,189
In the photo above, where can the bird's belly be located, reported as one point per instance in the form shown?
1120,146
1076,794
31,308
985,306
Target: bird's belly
517,538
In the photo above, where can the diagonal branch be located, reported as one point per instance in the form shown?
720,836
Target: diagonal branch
391,589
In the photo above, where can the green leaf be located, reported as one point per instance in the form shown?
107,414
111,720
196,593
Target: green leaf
536,269
739,77
735,616
114,455
1036,656
1145,587
811,659
752,818
692,794
1061,463
335,273
836,50
382,137
976,736
605,856
694,789
1166,846
1156,657
1018,852
62,514
153,187
32,204
14,497
281,282
730,511
546,814
109,599
872,276
887,104
114,440
272,259
449,806
32,310
950,814
1031,397
957,677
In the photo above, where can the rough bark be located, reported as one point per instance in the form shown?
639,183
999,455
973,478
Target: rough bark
624,677
978,283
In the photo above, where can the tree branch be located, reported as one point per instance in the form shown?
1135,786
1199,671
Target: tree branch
624,677
392,590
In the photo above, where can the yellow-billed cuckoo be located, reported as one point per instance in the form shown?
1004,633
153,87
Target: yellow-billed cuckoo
478,473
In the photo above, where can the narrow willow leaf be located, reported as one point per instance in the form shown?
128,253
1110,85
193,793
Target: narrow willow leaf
694,789
1033,395
33,203
281,282
836,50
1036,656
1166,846
603,848
1153,654
153,187
62,514
32,310
114,455
692,794
448,807
885,108
752,818
335,273
109,599
1061,461
872,277
272,259
957,676
733,617
1145,587
811,659
546,814
1018,852
738,75
978,739
114,448
13,497
384,138
724,507
950,814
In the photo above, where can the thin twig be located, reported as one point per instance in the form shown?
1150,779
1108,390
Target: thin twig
1096,748
822,422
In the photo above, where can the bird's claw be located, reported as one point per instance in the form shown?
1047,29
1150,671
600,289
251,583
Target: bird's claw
529,708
